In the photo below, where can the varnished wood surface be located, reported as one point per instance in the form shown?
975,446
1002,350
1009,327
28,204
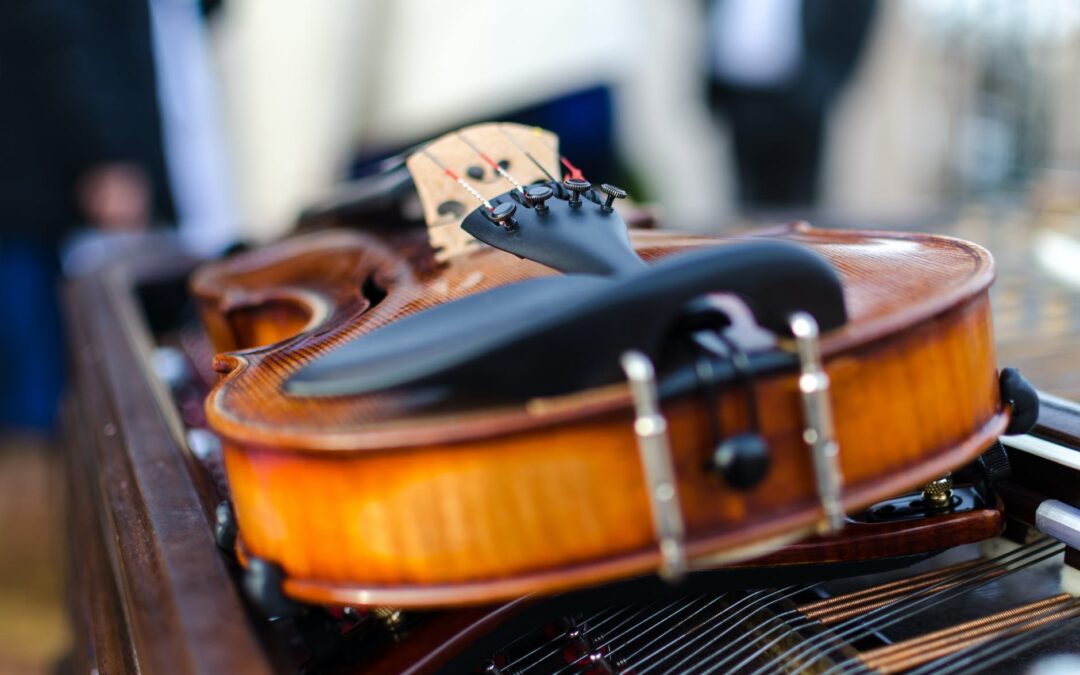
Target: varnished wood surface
364,501
151,593
870,541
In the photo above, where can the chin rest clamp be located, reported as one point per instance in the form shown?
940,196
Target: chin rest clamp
819,431
654,448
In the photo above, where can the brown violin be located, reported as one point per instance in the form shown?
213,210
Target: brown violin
540,400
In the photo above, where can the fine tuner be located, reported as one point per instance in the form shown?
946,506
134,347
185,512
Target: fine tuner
536,197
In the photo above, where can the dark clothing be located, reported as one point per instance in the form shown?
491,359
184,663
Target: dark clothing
31,353
77,88
777,147
778,132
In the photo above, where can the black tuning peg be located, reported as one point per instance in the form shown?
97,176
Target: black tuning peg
742,459
577,187
503,214
612,193
536,196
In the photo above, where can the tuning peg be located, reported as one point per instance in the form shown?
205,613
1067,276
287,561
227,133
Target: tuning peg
536,196
612,193
503,214
577,187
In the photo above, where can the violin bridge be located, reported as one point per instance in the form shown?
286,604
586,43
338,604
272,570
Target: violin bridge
458,172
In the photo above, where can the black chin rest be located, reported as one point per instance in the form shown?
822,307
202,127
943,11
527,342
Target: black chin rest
558,334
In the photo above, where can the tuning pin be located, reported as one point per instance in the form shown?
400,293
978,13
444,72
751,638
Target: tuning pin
503,214
577,187
612,193
536,196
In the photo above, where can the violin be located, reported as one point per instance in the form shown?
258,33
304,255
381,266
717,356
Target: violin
540,400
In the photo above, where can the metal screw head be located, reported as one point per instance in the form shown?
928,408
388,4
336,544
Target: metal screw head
503,214
576,186
937,494
537,195
612,193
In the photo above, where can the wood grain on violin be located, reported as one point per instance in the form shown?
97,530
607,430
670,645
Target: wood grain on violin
379,500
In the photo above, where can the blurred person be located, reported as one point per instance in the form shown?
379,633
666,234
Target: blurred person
776,67
80,143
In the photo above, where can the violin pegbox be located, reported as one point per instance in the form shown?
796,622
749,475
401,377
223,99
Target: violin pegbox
460,171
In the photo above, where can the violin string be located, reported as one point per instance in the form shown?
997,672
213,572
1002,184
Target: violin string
951,593
943,650
1026,556
977,657
585,621
941,644
610,612
780,619
528,154
804,621
457,179
801,621
783,626
595,630
859,627
677,644
574,171
745,606
781,623
686,606
860,599
491,162
848,631
626,658
612,637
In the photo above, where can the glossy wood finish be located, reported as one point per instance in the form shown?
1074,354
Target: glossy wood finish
871,541
364,500
150,592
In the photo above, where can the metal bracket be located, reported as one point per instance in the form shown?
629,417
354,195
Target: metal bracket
818,433
654,449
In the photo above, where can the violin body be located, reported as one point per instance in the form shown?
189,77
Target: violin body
386,499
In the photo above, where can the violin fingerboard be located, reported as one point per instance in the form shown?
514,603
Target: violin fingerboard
527,154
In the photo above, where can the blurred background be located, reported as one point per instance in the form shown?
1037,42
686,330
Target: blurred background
133,123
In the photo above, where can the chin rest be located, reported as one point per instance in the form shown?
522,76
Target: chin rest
554,335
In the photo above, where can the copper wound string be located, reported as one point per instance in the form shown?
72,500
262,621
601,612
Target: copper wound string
905,655
977,657
812,650
990,566
858,627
